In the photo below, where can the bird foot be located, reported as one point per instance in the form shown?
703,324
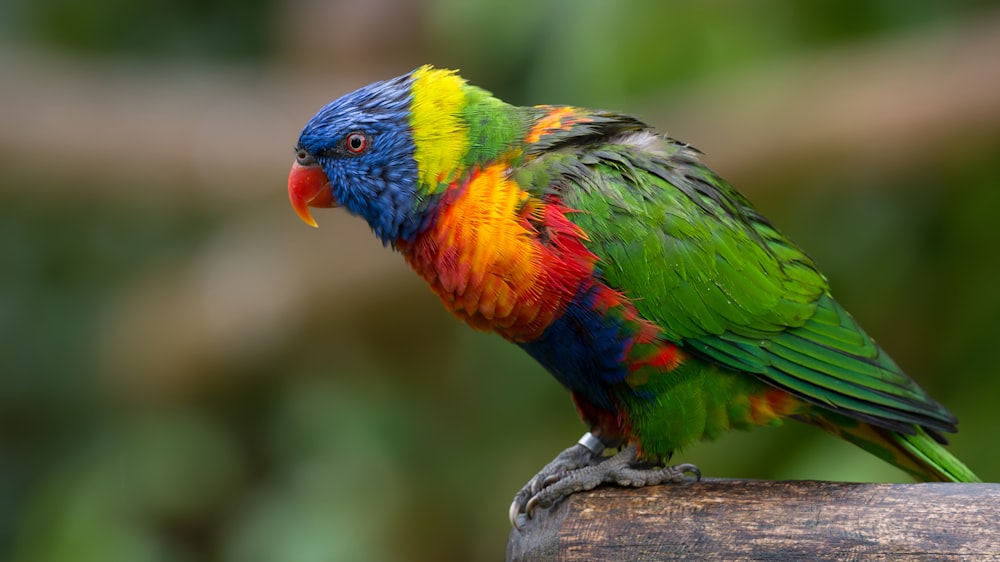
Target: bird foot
581,467
586,452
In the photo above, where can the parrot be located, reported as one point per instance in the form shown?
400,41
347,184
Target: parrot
654,292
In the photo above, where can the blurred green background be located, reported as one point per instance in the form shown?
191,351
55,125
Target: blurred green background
190,373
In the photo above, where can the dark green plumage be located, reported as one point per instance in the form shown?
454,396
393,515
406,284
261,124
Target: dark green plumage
700,262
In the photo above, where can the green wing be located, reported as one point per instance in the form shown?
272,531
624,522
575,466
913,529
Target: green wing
697,259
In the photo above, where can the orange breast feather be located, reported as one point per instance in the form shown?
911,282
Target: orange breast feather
500,259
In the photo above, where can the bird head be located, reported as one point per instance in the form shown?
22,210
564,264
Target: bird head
382,151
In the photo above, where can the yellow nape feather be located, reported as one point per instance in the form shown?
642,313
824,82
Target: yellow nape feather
440,135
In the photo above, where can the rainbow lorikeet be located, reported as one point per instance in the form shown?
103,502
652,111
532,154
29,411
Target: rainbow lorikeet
643,282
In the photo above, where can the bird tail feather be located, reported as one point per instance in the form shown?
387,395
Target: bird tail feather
919,454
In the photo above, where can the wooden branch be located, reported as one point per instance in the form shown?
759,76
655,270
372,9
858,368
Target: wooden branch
789,520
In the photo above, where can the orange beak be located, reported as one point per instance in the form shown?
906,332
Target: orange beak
308,186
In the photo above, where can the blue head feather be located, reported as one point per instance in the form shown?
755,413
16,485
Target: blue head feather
379,184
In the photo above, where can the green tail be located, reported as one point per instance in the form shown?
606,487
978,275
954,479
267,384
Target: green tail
932,461
918,454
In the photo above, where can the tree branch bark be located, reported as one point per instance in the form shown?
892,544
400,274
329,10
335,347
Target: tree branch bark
787,520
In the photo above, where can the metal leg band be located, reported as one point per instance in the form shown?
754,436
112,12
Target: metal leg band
593,444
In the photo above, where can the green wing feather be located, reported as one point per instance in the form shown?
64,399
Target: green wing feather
696,258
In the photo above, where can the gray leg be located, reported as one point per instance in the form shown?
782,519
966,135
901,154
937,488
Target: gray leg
581,467
585,452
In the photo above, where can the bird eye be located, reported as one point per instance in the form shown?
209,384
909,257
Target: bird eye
356,143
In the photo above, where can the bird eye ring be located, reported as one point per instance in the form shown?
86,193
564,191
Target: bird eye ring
356,143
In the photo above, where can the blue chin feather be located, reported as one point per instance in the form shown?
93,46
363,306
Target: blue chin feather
379,183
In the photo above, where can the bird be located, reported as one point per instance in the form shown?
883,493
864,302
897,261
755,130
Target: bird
653,291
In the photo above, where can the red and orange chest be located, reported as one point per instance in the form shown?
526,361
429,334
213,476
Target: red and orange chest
499,258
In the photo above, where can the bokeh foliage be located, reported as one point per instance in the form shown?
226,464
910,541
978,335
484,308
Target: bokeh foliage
374,427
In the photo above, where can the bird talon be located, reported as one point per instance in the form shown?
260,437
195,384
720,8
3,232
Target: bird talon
529,508
690,468
549,481
515,513
535,485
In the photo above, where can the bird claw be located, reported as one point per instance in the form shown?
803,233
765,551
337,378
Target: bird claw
579,468
586,452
